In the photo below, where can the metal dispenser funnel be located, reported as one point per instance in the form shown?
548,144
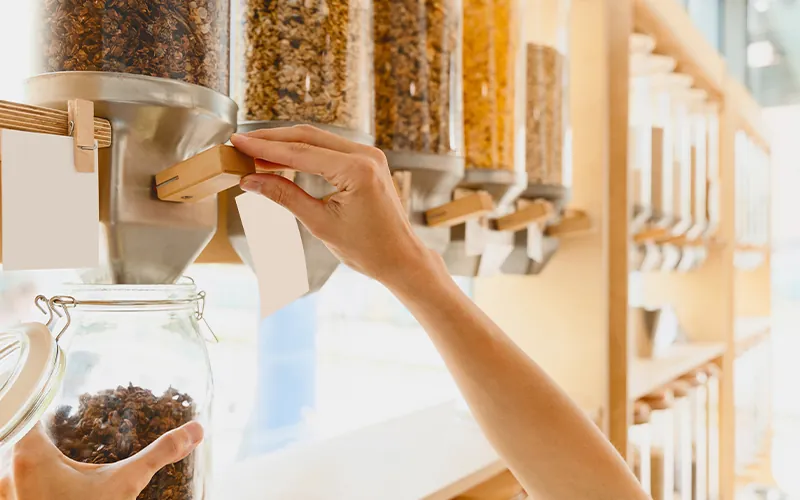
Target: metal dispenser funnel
320,262
156,123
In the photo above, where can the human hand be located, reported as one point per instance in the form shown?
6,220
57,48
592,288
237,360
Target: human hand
363,223
40,471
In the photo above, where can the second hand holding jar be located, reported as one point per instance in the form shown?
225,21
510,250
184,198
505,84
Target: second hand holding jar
136,368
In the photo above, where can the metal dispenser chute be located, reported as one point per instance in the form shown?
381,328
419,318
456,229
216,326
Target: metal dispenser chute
156,123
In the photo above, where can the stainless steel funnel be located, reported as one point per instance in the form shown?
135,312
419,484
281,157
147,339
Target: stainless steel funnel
156,123
320,262
518,262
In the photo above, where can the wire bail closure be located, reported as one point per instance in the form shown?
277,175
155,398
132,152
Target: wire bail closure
57,307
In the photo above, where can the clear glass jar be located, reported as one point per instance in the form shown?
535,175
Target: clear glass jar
698,118
418,77
137,367
185,40
745,396
547,126
682,409
639,436
305,62
713,198
662,163
713,414
640,128
698,400
682,152
491,45
662,453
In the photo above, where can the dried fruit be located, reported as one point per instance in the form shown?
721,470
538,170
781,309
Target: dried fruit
305,61
490,48
178,39
545,115
115,424
417,73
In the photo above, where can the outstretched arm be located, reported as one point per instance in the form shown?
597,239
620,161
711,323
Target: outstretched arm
550,445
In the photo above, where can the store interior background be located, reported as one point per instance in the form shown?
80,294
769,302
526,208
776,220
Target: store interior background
351,356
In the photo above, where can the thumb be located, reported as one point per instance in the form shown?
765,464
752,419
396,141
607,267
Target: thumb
172,447
287,194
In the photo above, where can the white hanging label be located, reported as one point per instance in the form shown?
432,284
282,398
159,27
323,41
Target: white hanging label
535,243
494,256
51,212
276,249
476,237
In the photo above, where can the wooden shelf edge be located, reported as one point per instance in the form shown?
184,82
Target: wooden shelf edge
648,375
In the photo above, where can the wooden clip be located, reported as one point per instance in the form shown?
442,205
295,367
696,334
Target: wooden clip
204,175
573,221
80,114
460,210
536,212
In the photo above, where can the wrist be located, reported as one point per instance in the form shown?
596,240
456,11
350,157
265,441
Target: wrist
419,268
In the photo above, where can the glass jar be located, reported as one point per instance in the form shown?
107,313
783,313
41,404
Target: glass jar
640,128
698,118
682,151
662,152
418,98
713,198
136,368
662,453
547,126
682,409
713,415
745,396
305,62
185,40
491,46
639,436
698,400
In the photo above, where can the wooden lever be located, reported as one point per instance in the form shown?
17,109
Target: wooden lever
573,221
26,118
204,175
460,210
535,212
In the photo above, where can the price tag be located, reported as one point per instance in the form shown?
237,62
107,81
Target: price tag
536,243
476,237
276,249
51,211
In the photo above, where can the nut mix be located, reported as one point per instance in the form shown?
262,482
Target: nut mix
545,115
417,72
113,425
178,39
305,60
480,85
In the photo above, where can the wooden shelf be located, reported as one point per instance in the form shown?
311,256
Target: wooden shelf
648,375
750,332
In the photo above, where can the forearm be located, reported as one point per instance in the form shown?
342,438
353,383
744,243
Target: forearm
549,443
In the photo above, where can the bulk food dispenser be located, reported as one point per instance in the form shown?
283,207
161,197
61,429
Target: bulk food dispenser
302,63
126,361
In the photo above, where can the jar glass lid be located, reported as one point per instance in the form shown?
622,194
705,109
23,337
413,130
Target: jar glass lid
31,370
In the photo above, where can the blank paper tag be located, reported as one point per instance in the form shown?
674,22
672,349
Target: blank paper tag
475,237
276,250
535,243
494,255
51,212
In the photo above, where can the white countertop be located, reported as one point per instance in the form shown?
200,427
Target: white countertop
431,454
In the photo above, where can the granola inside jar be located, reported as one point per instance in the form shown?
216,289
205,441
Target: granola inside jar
137,367
418,99
185,40
305,61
